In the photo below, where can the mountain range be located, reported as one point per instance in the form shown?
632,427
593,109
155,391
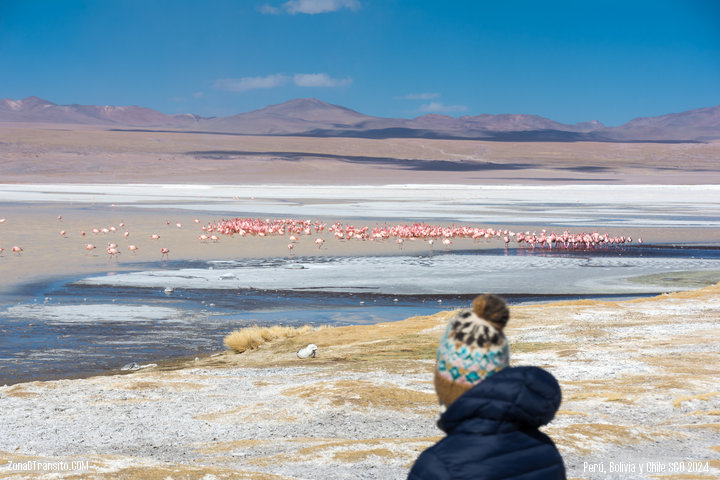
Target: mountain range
312,117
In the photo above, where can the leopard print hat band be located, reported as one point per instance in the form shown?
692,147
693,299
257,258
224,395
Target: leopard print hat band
472,348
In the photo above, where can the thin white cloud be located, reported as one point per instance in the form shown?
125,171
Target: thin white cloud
441,108
251,83
269,10
421,96
319,80
310,7
243,84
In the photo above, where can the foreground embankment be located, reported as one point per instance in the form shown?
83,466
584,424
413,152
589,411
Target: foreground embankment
641,400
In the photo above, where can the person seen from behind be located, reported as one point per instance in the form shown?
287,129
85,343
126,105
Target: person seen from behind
492,411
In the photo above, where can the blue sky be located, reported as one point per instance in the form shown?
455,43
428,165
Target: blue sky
570,61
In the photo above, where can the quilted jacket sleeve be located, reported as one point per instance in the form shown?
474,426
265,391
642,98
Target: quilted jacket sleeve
428,467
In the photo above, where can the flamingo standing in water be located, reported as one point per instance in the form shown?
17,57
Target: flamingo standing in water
17,250
113,252
132,248
165,252
89,247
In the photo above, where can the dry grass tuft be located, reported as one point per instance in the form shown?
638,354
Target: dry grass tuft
363,394
18,391
355,456
686,398
251,338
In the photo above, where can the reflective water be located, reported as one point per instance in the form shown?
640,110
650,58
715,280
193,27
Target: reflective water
95,324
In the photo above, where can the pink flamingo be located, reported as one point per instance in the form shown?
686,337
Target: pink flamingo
62,233
165,252
16,250
319,242
132,248
113,252
155,236
89,247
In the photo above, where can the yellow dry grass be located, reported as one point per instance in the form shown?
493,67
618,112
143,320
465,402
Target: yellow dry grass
355,456
349,450
250,338
686,398
102,467
365,394
19,391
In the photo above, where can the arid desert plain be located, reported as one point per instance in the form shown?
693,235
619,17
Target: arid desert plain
631,329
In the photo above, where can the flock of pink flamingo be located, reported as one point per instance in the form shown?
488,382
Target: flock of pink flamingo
401,233
112,248
295,229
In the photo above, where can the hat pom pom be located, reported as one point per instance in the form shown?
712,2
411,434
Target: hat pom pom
493,309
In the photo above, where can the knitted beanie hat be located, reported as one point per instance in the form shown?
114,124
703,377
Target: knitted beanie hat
472,348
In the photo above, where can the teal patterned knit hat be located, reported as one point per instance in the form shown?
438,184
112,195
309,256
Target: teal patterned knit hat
472,348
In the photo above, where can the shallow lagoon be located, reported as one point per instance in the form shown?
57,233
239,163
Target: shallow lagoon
99,323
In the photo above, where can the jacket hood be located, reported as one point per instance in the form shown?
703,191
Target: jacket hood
515,398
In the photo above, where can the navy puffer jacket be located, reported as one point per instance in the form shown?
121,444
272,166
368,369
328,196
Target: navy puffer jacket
492,431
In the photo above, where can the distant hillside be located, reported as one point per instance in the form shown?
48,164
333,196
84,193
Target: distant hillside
312,117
